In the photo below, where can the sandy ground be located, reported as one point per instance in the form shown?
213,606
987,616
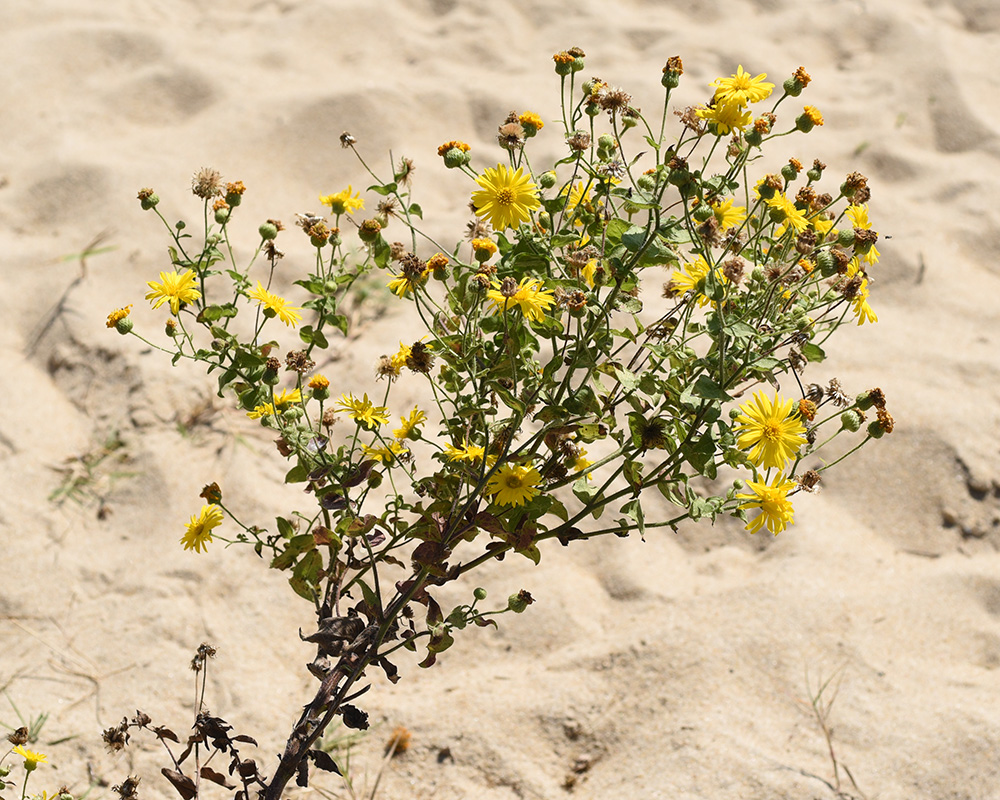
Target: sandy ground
678,667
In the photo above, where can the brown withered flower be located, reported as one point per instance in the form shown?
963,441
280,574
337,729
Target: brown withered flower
809,480
579,141
127,789
19,737
805,242
206,183
298,361
885,420
346,140
404,172
836,394
420,359
733,270
116,738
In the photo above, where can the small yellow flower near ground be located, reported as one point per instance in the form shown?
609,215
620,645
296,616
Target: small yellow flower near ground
364,411
530,297
409,424
199,529
118,314
342,202
174,288
278,306
741,88
506,198
772,429
772,500
514,485
31,759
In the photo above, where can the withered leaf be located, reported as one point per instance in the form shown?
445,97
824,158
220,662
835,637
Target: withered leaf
244,738
302,774
210,774
324,761
182,783
390,670
165,733
355,718
429,553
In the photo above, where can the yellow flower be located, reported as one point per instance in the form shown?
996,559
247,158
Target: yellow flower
453,145
506,198
403,283
531,122
364,411
263,410
813,115
578,193
729,215
174,289
387,454
726,117
858,215
862,310
278,306
581,462
530,297
793,216
775,507
285,397
772,429
692,279
487,246
589,271
342,202
31,759
118,314
741,88
513,485
318,381
199,529
470,453
410,423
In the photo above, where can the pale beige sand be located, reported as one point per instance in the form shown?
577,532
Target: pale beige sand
677,666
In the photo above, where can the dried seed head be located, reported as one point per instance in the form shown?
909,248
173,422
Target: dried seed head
404,172
420,359
18,737
885,420
346,140
836,394
814,392
128,788
579,141
298,361
805,242
116,738
329,417
510,135
733,270
809,480
206,183
508,287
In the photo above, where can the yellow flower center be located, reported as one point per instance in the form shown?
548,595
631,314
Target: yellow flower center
513,482
771,431
505,197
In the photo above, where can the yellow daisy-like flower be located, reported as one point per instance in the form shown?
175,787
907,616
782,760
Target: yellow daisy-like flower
364,411
858,215
821,224
692,278
530,297
859,305
174,288
285,397
514,485
343,202
402,283
581,462
772,500
487,247
471,453
795,217
506,198
741,88
729,215
410,423
278,306
319,381
726,117
576,195
199,529
772,429
531,122
31,758
589,271
118,314
387,454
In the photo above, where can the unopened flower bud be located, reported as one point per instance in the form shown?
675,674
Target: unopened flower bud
826,263
222,215
479,593
369,231
703,211
547,179
845,237
148,199
268,230
606,141
123,326
851,421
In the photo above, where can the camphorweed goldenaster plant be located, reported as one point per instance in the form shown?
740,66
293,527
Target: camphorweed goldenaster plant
562,387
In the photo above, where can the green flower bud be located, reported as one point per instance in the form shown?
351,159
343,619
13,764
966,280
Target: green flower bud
826,263
789,173
792,87
814,174
564,68
335,238
518,602
181,225
628,121
268,231
547,179
123,326
479,593
734,413
149,201
851,420
845,238
222,215
670,80
753,138
318,241
606,141
646,182
270,377
875,429
804,123
369,231
702,212
456,157
776,214
591,109
544,220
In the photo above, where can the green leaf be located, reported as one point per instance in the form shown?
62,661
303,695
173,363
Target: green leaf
416,210
813,352
701,456
297,474
633,511
634,238
285,528
708,389
384,189
531,552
